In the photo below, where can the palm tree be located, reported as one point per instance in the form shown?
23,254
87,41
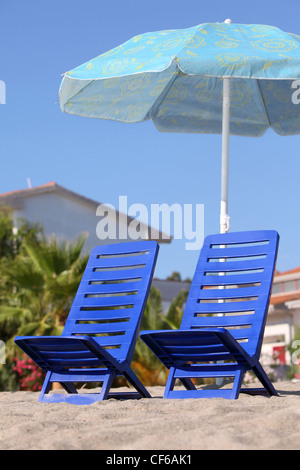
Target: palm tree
175,276
11,240
38,287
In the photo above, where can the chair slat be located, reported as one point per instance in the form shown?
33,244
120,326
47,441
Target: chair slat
237,320
239,252
99,302
234,266
105,316
235,280
219,307
128,262
238,293
92,274
124,288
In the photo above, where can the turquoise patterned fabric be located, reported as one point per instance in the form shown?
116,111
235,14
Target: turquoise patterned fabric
175,78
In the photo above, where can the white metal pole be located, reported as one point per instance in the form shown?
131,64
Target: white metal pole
224,217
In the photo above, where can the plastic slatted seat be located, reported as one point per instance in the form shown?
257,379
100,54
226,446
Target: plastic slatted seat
222,327
102,328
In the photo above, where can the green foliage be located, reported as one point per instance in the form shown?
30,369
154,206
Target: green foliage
38,281
175,276
40,284
12,239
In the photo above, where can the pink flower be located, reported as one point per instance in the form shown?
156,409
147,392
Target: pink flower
31,377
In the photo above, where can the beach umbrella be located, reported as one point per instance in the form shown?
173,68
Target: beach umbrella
222,78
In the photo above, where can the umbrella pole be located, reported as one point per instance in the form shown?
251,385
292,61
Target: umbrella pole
224,217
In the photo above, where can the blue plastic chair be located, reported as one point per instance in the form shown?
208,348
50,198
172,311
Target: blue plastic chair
102,328
222,327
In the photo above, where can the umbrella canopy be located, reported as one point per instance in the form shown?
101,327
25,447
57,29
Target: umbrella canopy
194,80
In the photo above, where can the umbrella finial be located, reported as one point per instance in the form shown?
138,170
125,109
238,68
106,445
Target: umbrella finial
228,21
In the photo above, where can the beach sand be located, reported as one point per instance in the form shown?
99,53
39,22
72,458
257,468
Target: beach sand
251,422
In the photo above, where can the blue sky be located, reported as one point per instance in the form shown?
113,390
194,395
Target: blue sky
104,159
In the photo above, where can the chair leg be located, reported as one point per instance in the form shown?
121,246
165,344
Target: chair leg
237,383
107,383
73,396
262,376
69,388
137,384
170,382
192,392
46,386
188,384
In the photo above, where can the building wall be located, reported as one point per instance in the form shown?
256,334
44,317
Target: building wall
279,332
65,217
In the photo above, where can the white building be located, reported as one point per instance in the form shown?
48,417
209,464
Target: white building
284,314
67,215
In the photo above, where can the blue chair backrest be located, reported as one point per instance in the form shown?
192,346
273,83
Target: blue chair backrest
112,294
232,285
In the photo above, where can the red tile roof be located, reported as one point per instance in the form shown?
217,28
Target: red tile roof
18,191
284,297
290,271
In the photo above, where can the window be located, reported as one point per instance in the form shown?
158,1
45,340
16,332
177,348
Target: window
289,286
277,288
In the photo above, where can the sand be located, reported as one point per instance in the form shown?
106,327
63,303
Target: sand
251,422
